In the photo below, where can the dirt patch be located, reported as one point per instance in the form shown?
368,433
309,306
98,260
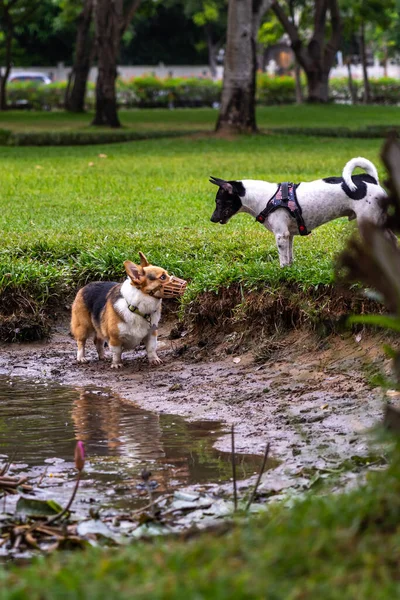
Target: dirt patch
323,310
308,397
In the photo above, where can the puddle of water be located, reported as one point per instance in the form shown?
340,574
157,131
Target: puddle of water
40,423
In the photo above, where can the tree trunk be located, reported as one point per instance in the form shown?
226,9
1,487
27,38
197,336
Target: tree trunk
108,18
212,51
385,61
363,52
318,86
4,76
318,57
352,89
76,91
110,24
237,113
297,82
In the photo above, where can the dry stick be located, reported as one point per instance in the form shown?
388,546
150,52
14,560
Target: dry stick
233,468
60,514
11,483
4,470
258,478
43,475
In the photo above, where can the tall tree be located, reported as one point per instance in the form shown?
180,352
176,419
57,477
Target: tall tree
318,55
13,14
367,21
111,19
271,33
237,112
77,81
210,15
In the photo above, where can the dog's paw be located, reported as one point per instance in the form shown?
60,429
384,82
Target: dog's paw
118,365
155,360
83,360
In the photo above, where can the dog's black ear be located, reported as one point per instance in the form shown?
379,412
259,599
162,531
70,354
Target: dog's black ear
225,185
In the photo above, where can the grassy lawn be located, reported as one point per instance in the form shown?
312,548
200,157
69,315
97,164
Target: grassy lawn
147,120
68,215
335,547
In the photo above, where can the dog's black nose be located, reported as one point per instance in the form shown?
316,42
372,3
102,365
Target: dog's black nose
214,219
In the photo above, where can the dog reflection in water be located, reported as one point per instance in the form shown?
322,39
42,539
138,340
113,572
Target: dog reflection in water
112,426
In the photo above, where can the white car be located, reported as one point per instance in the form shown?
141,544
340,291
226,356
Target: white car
29,76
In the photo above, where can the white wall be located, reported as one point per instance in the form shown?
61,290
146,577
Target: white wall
60,72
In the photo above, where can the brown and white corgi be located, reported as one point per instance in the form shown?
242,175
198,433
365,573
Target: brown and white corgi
123,314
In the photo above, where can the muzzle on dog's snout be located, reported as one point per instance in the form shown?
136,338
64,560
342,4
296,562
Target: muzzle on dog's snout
174,288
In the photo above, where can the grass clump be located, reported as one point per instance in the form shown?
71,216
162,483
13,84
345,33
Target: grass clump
334,547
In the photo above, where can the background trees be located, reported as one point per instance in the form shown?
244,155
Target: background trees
210,16
237,113
89,32
84,51
111,20
369,21
14,15
315,48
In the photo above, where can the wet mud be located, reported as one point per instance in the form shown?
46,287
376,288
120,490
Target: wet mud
309,398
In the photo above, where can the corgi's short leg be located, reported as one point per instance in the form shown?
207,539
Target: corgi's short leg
80,356
116,352
150,342
99,343
81,326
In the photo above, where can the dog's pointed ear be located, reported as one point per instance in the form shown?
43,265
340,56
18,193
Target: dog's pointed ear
225,185
143,260
133,271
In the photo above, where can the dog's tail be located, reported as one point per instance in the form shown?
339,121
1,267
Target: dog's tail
363,163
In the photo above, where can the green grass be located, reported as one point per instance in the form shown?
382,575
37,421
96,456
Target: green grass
146,120
67,222
68,216
334,547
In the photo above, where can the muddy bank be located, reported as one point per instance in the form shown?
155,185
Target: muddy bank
310,398
211,315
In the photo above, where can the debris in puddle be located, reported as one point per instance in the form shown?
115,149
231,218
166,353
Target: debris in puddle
175,387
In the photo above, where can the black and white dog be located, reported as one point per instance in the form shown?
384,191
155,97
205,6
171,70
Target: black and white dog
317,203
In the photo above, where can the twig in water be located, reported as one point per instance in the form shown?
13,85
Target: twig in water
66,509
145,475
233,468
43,475
79,464
141,510
259,477
4,470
